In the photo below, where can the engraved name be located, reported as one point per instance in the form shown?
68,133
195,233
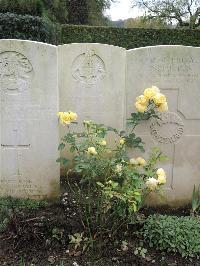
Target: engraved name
175,66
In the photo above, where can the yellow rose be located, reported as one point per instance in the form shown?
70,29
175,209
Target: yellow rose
142,100
118,168
149,93
122,141
73,116
163,107
152,183
160,171
162,179
91,151
64,118
133,161
159,99
140,107
103,143
141,161
67,117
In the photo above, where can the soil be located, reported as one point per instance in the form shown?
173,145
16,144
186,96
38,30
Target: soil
40,237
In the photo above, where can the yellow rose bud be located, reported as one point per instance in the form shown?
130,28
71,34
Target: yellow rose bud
133,161
149,93
87,122
91,151
163,107
140,107
152,183
122,141
103,143
159,99
142,100
162,179
141,161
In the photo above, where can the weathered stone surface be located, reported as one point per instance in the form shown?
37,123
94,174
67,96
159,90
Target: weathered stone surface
176,71
28,124
92,82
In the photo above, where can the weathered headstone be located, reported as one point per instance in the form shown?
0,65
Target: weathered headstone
28,124
176,71
92,82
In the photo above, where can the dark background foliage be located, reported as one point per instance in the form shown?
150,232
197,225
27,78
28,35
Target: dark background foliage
129,38
13,26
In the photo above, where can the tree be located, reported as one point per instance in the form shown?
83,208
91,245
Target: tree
56,10
96,10
88,12
77,11
185,12
22,7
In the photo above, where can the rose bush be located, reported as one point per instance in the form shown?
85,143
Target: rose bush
115,186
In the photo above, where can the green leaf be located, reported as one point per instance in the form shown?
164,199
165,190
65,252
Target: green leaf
62,160
72,149
61,146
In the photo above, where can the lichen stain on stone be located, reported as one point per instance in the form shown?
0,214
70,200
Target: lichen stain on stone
54,189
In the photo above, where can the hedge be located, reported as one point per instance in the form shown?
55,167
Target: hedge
25,27
13,26
129,38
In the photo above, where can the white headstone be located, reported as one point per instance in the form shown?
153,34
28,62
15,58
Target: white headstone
28,122
176,71
92,81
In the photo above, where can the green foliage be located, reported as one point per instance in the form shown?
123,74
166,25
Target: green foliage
13,26
173,234
96,12
10,206
22,7
56,10
38,29
79,241
129,38
118,183
140,251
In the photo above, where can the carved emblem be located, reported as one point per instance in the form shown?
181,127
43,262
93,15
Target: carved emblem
15,71
88,68
168,129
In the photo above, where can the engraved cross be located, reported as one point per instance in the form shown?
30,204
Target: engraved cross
17,148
